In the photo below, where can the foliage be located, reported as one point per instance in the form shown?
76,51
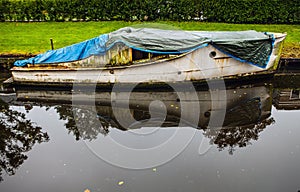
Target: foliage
238,137
18,135
229,11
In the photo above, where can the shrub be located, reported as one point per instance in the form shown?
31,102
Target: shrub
229,11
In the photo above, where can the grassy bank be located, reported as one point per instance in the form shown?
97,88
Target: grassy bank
33,38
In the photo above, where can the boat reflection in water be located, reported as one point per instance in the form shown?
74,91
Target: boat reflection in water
230,118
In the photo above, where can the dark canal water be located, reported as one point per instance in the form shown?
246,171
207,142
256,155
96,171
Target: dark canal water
244,138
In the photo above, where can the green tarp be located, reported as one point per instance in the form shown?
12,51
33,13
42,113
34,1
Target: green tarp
247,46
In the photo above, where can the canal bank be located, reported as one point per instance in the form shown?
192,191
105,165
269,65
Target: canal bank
7,60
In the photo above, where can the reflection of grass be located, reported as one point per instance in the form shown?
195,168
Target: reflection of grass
34,37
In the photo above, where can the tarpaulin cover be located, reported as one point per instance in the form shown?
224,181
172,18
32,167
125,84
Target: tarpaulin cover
74,52
247,46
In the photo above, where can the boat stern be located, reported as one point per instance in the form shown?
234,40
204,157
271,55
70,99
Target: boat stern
277,49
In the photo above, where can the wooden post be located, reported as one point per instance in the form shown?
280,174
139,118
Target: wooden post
51,42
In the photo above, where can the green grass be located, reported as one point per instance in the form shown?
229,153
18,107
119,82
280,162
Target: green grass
35,37
25,38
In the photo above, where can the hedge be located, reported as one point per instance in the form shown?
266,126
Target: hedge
229,11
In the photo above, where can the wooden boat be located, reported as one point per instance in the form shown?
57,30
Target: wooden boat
132,56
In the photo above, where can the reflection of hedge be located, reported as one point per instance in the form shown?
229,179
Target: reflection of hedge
230,11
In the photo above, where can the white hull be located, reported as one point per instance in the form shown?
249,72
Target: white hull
197,65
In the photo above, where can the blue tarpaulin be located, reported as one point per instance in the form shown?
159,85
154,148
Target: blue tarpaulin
246,46
74,52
